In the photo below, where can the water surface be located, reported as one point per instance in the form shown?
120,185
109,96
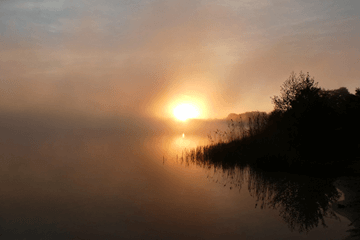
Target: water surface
125,180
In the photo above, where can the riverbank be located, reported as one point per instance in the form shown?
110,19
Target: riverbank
349,207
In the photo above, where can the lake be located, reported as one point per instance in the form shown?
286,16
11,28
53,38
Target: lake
123,178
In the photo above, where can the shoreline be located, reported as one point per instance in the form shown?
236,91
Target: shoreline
349,207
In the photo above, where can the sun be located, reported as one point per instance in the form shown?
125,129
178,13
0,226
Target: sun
185,111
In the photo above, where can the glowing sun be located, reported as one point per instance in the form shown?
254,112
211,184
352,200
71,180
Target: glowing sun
185,111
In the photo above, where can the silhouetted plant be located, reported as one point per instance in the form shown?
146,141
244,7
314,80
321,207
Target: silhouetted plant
310,131
294,91
357,92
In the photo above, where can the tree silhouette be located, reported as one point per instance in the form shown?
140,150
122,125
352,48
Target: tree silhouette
311,131
320,124
357,92
295,91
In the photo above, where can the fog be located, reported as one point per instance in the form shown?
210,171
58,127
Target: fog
87,90
63,176
141,58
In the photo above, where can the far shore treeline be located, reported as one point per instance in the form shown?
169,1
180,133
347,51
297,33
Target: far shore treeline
310,131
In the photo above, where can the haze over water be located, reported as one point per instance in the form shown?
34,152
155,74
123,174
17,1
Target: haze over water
110,181
88,89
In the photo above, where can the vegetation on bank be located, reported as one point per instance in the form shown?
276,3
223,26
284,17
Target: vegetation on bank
310,131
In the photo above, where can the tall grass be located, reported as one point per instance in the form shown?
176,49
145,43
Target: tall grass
257,142
241,129
229,148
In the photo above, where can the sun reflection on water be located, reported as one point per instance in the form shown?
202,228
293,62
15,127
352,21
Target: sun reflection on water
171,146
179,143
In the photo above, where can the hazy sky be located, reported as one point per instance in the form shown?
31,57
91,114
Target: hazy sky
142,57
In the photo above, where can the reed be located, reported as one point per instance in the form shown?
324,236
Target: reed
310,131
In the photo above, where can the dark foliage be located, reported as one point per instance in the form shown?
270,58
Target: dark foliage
310,131
296,92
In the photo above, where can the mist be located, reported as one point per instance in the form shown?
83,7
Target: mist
136,58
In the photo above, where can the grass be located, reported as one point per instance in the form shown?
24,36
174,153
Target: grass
311,131
259,143
265,158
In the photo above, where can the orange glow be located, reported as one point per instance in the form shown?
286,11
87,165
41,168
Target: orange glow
163,105
185,111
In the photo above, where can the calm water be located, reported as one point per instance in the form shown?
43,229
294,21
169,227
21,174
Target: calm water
122,180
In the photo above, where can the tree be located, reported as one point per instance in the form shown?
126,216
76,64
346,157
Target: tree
295,91
357,92
319,124
305,117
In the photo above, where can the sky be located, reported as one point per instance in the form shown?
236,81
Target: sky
142,58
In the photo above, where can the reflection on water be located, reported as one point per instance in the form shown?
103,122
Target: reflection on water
303,202
111,182
174,144
187,141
